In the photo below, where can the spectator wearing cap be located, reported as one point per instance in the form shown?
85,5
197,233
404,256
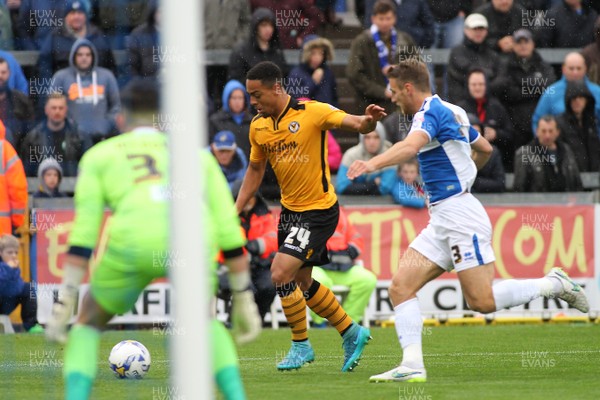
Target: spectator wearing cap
578,126
504,17
233,115
523,78
490,178
552,101
313,78
572,25
472,53
591,53
37,18
495,122
372,54
263,45
56,48
231,159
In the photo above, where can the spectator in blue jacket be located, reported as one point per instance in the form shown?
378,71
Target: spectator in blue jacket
234,115
313,78
13,290
17,80
56,48
231,159
552,101
376,183
37,19
407,190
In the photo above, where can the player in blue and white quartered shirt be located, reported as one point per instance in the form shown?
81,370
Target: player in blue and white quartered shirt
459,232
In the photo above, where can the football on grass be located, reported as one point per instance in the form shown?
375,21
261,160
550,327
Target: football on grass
129,359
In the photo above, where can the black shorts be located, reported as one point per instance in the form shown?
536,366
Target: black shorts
304,235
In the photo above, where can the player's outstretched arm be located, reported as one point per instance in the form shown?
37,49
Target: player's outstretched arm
363,123
397,154
482,151
251,183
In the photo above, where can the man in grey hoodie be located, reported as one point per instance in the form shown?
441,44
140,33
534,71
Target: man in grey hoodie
92,93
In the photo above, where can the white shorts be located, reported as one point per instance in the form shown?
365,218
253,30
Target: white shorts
458,236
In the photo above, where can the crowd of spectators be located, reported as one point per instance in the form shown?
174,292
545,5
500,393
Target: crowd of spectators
69,100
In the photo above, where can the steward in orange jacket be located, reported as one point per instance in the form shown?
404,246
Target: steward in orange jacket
13,187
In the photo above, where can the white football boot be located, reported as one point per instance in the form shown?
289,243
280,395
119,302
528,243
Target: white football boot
401,374
571,292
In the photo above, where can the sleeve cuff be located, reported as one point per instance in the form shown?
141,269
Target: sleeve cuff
233,253
84,252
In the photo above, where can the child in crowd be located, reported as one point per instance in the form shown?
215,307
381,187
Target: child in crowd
407,190
50,175
13,291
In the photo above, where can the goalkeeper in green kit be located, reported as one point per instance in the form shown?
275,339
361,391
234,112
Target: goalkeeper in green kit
128,174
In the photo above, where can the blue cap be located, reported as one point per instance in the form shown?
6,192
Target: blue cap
224,140
75,5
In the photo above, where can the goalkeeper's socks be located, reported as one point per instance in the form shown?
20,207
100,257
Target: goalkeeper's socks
324,303
230,384
409,325
514,292
78,386
294,308
81,357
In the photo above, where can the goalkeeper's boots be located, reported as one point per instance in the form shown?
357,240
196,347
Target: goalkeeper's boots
571,292
401,374
355,340
300,353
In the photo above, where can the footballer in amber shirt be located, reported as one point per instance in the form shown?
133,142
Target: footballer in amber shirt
295,144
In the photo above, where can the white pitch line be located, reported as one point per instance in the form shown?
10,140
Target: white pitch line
517,353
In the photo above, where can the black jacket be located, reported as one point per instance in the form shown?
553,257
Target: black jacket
247,54
568,29
495,117
501,24
519,85
142,60
223,121
581,136
38,145
490,178
534,170
464,57
444,10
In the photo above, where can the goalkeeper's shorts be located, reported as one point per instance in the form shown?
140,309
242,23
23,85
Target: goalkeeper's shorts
119,278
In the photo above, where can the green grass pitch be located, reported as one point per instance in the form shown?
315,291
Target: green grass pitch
500,362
